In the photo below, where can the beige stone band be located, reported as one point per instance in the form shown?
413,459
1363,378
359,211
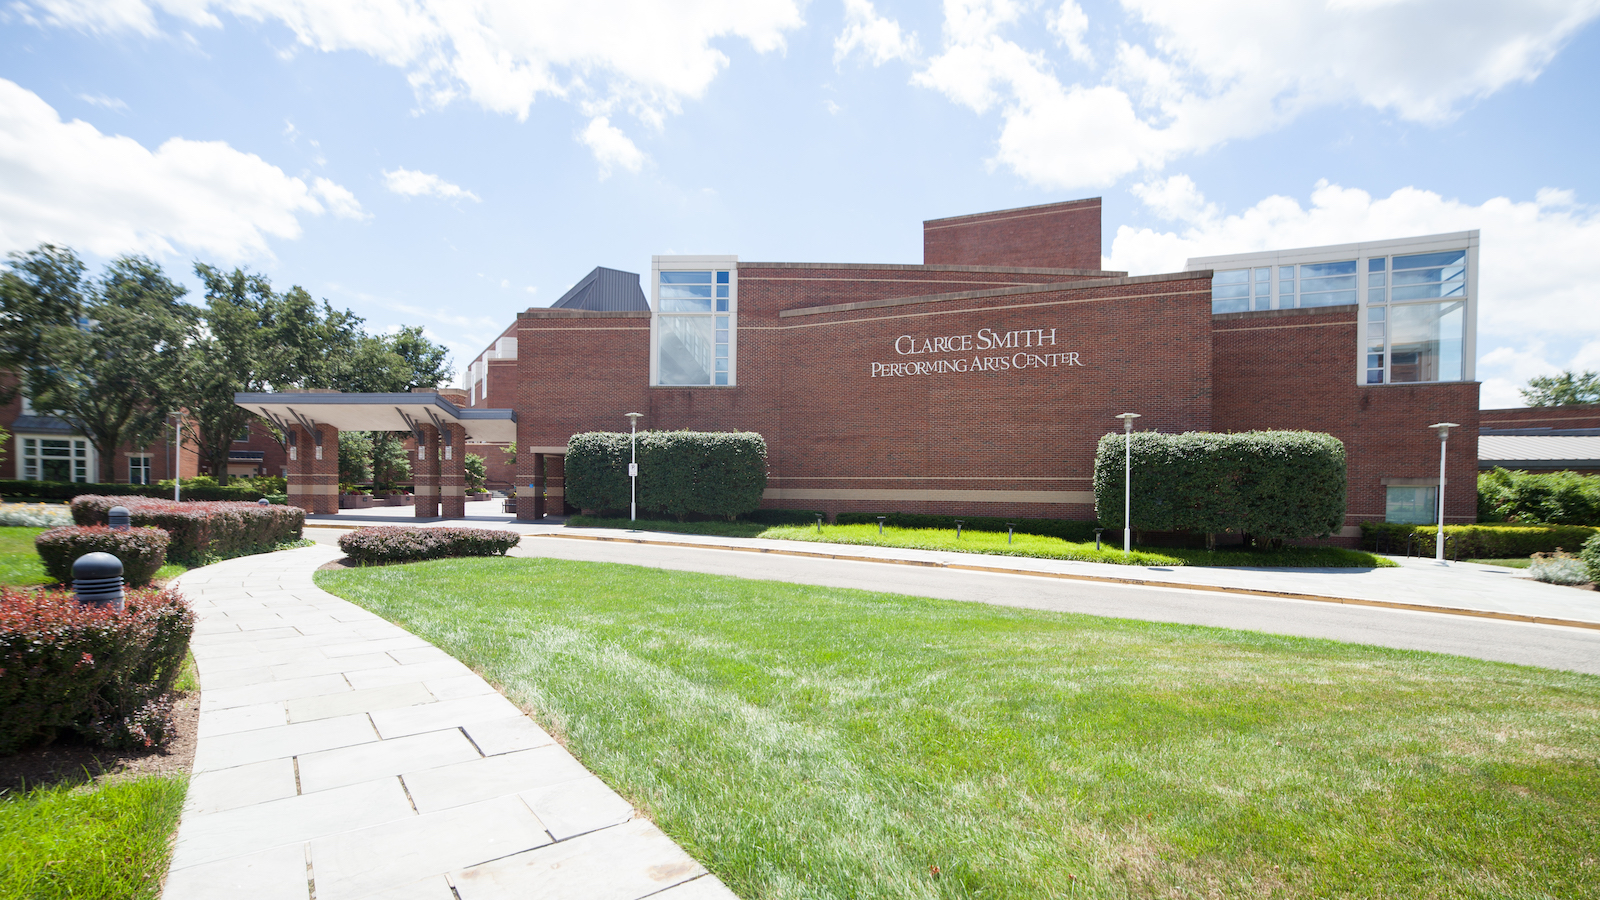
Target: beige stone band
1074,497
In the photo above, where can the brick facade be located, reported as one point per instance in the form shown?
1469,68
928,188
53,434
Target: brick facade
314,469
1552,417
1058,235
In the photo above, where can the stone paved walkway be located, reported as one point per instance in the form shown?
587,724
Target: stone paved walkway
341,757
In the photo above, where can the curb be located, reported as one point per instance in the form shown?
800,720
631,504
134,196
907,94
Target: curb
1106,579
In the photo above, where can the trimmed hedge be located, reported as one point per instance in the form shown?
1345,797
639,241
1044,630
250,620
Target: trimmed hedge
1478,541
1280,485
103,673
142,550
1551,498
67,490
398,543
681,473
202,530
1072,530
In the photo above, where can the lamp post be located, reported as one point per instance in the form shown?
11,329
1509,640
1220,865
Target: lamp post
1444,439
633,466
1127,480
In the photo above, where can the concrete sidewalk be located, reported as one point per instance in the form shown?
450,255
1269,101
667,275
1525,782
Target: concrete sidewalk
341,757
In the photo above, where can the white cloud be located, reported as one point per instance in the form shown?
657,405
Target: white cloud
643,56
102,100
611,147
1537,314
833,108
411,183
877,37
68,183
339,200
1227,70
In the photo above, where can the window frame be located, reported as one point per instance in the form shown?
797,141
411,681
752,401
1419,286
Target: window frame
80,457
714,265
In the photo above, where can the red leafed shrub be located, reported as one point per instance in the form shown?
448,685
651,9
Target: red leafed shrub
142,550
202,530
402,544
103,673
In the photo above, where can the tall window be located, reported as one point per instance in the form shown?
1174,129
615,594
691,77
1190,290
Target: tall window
139,470
55,459
695,324
1416,318
1411,505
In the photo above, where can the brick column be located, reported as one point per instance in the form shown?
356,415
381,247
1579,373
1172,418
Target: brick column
323,469
453,472
539,505
555,484
425,473
299,463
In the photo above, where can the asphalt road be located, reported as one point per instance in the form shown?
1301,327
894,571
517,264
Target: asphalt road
1547,646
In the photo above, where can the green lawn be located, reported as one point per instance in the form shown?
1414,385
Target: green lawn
1521,562
996,543
816,742
20,565
107,841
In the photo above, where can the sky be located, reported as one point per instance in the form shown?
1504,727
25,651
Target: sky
447,163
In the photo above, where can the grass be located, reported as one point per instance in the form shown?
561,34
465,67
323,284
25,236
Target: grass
817,742
995,543
1521,562
89,841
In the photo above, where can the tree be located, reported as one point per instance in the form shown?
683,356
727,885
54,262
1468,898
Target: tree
391,463
257,340
114,370
40,290
1565,389
355,457
391,363
476,472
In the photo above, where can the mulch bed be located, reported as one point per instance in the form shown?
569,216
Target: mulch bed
68,759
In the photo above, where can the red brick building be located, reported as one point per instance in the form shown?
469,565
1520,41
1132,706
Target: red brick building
981,381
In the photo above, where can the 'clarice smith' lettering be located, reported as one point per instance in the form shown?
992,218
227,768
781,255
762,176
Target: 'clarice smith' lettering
1022,340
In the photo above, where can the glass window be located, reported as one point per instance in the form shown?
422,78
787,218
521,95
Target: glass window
1230,291
1411,505
138,470
1286,298
1377,264
1328,284
1425,341
55,459
694,328
1375,345
241,438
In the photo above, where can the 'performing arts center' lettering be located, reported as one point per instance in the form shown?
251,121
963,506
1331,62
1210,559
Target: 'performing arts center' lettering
1029,342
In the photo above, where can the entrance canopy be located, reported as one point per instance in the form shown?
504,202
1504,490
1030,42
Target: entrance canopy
381,412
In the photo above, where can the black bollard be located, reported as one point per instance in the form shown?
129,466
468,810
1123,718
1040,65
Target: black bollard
959,523
1009,527
819,524
880,524
97,580
1097,537
119,519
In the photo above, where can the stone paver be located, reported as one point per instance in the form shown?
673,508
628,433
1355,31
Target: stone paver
342,758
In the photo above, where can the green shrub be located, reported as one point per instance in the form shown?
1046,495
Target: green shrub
142,550
475,472
1067,529
104,673
1554,498
202,530
681,473
1558,568
1590,554
202,488
1475,541
396,543
1280,485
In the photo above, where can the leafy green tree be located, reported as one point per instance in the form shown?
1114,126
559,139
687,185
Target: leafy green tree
40,291
390,363
115,371
355,457
257,339
391,463
1565,389
476,472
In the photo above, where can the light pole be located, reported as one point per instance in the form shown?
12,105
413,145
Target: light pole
1444,439
633,466
1127,480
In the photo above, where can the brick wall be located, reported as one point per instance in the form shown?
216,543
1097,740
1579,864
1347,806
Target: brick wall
992,440
1296,369
1059,235
1586,416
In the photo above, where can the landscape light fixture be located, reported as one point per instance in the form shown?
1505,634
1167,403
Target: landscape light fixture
1444,440
633,466
1127,480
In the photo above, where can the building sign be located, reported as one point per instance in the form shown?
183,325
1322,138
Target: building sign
991,351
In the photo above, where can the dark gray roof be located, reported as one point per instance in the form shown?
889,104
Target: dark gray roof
42,424
605,290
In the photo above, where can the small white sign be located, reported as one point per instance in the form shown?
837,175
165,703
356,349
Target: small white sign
633,470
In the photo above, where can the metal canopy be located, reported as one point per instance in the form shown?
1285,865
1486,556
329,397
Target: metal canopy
381,412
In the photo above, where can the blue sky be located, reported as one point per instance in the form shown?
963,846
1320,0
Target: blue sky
447,164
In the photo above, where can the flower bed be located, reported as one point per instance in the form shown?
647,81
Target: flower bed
202,530
142,550
407,544
104,673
